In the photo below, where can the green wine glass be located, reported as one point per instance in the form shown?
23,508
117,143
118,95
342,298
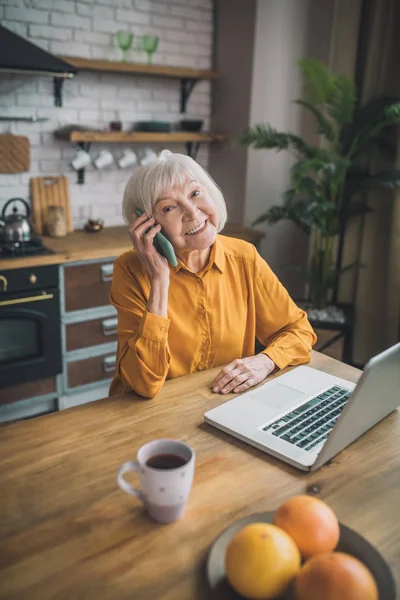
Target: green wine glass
150,45
124,39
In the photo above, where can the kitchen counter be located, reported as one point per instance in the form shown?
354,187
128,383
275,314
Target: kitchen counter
111,241
76,246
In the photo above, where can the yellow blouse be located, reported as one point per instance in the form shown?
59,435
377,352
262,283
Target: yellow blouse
214,317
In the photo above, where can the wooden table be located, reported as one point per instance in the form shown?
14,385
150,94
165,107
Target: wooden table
68,532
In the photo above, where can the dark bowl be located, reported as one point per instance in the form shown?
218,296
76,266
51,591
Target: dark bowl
191,124
159,126
350,542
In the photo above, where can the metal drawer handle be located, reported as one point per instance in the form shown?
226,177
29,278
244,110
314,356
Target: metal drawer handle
23,300
109,326
109,364
4,282
106,272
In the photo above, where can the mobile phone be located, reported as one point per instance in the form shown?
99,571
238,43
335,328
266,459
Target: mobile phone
162,245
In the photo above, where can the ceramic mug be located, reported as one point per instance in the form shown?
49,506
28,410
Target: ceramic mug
128,159
104,159
81,160
148,156
165,468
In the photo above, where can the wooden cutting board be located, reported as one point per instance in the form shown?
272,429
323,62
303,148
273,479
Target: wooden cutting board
15,155
50,191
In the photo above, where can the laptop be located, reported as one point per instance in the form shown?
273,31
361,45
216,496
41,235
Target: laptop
305,417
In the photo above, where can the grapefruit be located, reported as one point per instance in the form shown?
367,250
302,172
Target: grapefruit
261,560
310,522
335,576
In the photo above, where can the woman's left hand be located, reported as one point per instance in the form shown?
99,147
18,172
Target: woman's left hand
243,373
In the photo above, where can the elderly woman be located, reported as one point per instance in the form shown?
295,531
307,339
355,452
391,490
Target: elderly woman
207,310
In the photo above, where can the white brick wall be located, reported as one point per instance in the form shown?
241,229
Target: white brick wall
86,28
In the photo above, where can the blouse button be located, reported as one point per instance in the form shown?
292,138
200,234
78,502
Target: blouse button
162,329
203,311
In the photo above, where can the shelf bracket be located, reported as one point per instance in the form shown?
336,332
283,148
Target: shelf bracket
187,86
57,89
81,172
192,149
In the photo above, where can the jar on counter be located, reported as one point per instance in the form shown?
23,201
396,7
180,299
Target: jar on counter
56,221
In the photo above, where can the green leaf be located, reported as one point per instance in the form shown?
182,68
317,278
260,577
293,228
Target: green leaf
303,167
349,267
265,136
291,210
341,106
364,131
374,110
384,179
324,126
271,216
392,112
318,82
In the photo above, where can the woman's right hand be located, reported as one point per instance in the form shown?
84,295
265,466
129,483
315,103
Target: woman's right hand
155,264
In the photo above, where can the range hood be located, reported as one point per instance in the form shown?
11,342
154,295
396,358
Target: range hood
20,56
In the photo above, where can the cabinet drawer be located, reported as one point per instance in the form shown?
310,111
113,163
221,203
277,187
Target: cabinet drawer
87,286
91,333
31,389
90,370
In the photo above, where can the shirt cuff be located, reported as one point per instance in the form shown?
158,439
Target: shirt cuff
277,356
153,327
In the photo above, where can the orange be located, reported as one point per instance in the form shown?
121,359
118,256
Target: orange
260,561
335,576
310,522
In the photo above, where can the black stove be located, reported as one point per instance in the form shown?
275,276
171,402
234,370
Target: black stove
17,249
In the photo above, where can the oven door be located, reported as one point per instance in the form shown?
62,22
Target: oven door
30,341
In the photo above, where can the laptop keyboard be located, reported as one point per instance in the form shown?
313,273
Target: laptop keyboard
311,423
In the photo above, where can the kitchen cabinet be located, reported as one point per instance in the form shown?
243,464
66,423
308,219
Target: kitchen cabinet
90,370
88,330
87,285
93,332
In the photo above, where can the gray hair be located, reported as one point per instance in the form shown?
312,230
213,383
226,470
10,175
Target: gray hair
149,182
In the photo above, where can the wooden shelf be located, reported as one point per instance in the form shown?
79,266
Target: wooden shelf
188,77
146,137
88,64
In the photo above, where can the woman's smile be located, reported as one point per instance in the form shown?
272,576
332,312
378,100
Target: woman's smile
198,229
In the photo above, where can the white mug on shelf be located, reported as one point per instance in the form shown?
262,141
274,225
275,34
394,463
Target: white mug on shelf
103,159
81,159
148,156
128,159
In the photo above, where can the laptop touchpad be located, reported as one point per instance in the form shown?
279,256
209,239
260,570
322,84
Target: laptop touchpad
279,396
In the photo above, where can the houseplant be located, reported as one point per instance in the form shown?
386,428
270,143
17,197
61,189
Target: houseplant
328,182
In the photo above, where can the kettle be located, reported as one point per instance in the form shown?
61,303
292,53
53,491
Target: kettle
15,227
